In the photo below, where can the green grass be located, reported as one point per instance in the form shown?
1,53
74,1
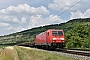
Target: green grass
42,55
8,54
2,46
21,53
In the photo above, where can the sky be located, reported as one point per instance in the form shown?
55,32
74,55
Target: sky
19,15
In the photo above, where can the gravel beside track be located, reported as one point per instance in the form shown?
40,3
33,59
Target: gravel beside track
73,56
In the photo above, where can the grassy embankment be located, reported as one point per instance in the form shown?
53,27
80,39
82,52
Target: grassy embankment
20,53
8,53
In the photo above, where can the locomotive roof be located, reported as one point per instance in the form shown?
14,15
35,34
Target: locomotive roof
49,30
56,29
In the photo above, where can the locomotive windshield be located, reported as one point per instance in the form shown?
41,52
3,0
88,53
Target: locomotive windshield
57,33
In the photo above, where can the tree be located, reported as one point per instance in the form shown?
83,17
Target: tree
78,36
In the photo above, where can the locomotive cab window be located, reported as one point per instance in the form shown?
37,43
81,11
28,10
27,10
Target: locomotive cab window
54,32
57,33
60,33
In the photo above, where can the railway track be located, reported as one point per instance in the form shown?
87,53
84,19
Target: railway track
81,52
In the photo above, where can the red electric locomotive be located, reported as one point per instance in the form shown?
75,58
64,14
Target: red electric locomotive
51,38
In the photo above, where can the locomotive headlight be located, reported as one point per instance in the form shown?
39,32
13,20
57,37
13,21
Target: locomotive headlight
61,38
54,38
53,41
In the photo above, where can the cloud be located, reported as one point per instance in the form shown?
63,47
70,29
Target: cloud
87,13
12,19
23,16
15,29
24,9
36,21
79,14
23,20
19,14
76,14
4,25
66,4
15,18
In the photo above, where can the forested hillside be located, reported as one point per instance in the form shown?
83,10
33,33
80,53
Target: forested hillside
77,32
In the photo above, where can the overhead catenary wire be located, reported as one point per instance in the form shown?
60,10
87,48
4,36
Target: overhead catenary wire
86,15
70,8
65,6
61,8
50,1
